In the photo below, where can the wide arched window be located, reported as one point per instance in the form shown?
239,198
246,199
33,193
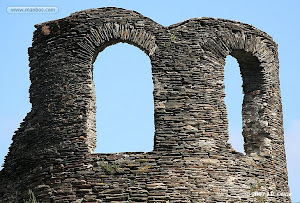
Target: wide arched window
124,100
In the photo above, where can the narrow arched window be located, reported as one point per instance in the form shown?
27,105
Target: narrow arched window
124,100
233,100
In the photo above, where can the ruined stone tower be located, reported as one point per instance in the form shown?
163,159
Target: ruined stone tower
192,160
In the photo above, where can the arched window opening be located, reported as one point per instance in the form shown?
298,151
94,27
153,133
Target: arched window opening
124,99
233,100
255,129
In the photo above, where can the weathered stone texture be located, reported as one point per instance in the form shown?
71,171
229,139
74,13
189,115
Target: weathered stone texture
192,160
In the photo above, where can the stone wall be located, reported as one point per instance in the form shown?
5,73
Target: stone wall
192,160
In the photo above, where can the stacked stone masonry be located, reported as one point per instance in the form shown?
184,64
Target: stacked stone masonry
192,160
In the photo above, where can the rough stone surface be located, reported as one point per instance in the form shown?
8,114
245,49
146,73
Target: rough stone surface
192,160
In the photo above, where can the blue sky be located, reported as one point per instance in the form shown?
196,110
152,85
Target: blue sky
280,19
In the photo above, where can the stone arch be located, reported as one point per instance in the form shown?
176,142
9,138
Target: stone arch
256,60
211,44
252,110
96,40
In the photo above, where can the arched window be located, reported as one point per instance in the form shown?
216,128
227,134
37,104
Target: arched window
233,100
124,100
